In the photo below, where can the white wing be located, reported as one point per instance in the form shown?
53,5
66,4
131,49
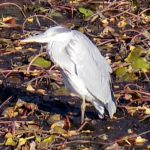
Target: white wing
91,66
73,51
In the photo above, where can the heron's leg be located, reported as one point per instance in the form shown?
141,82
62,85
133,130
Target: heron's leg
83,107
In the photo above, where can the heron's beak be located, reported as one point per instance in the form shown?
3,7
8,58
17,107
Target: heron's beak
41,38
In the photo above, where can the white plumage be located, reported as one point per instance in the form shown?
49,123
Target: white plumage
84,69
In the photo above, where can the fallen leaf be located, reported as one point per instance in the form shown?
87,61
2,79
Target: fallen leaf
140,141
132,110
22,141
30,88
40,62
47,142
9,141
85,12
30,20
41,91
59,130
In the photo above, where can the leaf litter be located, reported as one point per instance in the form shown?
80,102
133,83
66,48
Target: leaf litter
37,112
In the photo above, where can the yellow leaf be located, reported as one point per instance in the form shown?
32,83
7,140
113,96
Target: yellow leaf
55,118
109,45
59,130
73,133
8,135
132,110
38,139
132,47
9,112
47,142
18,48
146,34
10,141
30,20
128,96
148,146
140,141
59,123
22,141
122,24
49,139
6,19
32,49
20,103
145,109
105,22
30,88
35,73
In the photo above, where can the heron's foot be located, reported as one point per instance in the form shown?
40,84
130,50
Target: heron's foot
83,107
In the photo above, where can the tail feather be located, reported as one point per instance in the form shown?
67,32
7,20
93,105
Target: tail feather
111,106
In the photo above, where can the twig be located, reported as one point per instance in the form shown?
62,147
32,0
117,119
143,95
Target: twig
23,26
105,42
80,142
144,11
82,126
132,91
16,6
41,54
5,103
133,136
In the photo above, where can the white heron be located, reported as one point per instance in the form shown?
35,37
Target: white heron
85,71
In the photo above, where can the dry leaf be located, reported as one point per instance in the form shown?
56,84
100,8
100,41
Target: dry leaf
41,91
30,88
30,20
140,141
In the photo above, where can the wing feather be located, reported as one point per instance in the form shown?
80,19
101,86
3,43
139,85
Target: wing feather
91,66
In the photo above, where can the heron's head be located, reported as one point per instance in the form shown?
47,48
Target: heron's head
49,35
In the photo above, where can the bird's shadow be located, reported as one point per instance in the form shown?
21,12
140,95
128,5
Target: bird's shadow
63,105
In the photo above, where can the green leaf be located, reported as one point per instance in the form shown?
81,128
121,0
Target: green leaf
56,14
58,129
47,142
41,10
38,139
122,74
41,62
140,64
121,71
134,54
85,12
137,62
